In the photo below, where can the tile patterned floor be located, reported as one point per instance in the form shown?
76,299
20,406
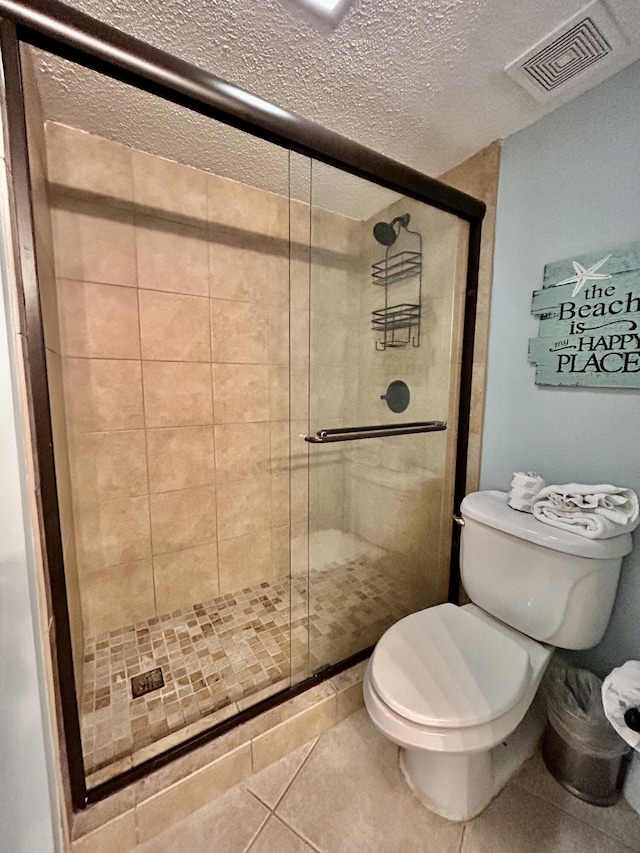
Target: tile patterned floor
219,653
343,793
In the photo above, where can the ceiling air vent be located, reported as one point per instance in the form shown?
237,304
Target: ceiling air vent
552,66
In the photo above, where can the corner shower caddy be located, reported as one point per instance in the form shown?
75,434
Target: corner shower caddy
398,323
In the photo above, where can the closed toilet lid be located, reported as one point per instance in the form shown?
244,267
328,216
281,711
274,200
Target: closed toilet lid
445,667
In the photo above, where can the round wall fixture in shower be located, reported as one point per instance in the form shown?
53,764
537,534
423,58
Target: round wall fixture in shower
397,396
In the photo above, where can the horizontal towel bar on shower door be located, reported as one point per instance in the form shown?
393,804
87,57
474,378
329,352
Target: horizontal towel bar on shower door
327,436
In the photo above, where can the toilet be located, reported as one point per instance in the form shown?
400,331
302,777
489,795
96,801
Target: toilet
455,687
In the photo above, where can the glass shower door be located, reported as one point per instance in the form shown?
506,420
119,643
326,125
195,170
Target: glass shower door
386,290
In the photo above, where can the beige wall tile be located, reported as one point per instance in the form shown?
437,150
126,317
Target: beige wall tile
180,458
280,740
116,836
243,451
240,268
279,334
185,577
299,494
299,393
65,506
279,499
98,320
174,327
279,431
234,271
117,596
171,256
243,507
169,189
349,701
239,332
93,242
81,161
103,394
182,519
113,532
229,202
48,289
183,798
279,282
278,392
280,551
244,561
300,273
177,393
109,465
240,393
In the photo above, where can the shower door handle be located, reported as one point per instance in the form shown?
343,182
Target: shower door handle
328,436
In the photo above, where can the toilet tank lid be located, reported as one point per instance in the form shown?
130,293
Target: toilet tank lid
491,509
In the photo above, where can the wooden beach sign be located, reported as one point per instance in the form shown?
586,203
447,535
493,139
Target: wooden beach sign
589,310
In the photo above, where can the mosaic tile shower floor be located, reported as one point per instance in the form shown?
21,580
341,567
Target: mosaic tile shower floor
222,655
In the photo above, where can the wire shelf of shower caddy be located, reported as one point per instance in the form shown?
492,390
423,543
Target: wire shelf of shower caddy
395,268
392,319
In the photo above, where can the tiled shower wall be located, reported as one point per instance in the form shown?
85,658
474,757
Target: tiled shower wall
173,302
173,343
402,488
48,297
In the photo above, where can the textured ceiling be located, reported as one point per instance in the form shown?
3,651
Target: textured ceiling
422,82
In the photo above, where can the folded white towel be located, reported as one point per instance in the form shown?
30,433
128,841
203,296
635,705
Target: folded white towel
597,512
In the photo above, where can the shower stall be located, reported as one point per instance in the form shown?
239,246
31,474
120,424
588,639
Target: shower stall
250,348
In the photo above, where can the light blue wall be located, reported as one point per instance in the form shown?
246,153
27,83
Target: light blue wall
569,184
27,795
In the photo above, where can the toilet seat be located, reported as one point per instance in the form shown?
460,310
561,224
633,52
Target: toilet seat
445,668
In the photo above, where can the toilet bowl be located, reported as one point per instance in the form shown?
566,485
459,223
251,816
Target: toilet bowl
482,677
456,687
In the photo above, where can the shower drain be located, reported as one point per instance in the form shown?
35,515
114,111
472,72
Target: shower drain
146,682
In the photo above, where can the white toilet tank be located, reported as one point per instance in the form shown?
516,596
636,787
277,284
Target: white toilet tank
555,586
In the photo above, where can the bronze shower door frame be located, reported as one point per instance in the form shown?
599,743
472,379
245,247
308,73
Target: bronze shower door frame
72,35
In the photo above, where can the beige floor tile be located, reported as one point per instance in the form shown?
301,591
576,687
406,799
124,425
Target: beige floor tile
271,783
117,836
619,821
275,837
226,825
186,797
518,822
350,796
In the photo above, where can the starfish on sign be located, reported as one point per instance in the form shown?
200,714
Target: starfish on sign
582,275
